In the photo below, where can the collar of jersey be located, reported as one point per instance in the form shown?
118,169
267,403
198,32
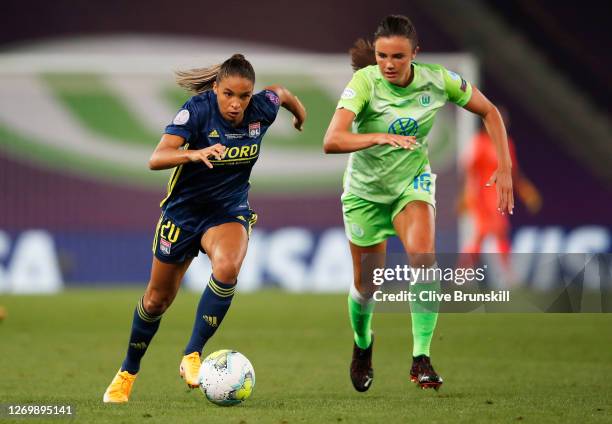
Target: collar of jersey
396,89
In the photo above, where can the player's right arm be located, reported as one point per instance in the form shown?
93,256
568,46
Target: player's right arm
340,139
183,129
169,154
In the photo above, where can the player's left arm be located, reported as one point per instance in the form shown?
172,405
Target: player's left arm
494,124
290,102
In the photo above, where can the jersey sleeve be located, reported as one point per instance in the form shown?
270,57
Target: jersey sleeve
268,104
185,123
356,94
458,90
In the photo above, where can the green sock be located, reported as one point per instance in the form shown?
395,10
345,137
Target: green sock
424,318
361,321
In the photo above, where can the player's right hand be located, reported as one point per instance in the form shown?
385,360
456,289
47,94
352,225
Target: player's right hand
216,151
405,142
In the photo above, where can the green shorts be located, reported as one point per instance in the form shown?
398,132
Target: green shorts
367,223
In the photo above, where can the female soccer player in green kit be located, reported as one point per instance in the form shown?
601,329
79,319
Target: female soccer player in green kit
389,189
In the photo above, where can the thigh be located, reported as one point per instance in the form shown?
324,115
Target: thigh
365,260
226,242
415,227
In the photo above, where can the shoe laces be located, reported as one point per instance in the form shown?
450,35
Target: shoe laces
124,384
193,362
423,365
363,361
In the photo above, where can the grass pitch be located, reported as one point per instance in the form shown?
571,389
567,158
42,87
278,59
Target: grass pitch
497,367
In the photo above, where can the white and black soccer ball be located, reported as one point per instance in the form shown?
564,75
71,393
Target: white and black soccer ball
226,377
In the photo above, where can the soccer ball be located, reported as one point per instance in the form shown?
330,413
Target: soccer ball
226,377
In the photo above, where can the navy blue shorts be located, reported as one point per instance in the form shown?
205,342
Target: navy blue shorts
178,239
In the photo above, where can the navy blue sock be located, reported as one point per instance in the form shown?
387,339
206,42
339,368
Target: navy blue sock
144,327
213,306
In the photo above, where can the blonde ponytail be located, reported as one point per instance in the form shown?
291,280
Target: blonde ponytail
200,80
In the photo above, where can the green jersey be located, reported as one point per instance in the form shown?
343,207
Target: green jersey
382,173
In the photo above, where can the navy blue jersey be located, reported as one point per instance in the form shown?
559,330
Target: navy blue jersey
199,122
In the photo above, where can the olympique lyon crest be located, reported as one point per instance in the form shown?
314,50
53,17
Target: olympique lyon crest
165,246
254,129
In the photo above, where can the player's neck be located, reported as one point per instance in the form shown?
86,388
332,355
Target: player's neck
409,77
234,123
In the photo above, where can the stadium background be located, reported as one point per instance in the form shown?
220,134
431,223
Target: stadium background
85,91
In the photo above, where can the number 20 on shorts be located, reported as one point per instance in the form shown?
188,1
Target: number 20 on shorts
169,231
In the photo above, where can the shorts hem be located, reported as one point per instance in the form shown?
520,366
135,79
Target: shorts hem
413,199
367,243
172,261
245,224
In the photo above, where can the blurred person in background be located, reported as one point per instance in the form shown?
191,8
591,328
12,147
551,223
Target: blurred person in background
212,144
383,118
478,199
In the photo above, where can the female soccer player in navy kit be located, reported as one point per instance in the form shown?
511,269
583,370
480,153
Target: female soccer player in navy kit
212,144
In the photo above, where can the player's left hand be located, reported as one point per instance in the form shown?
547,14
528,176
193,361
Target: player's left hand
300,117
502,178
298,124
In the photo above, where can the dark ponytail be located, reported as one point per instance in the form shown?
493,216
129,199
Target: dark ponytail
202,79
362,53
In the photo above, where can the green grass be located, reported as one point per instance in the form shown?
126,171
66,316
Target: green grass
497,367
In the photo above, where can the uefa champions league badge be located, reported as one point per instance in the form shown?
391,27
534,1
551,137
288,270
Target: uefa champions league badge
348,93
254,129
181,118
165,246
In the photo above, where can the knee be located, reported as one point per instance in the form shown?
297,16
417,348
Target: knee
156,303
421,250
420,259
226,268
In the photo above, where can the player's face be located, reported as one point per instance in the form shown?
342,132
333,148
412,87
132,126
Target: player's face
394,55
233,96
